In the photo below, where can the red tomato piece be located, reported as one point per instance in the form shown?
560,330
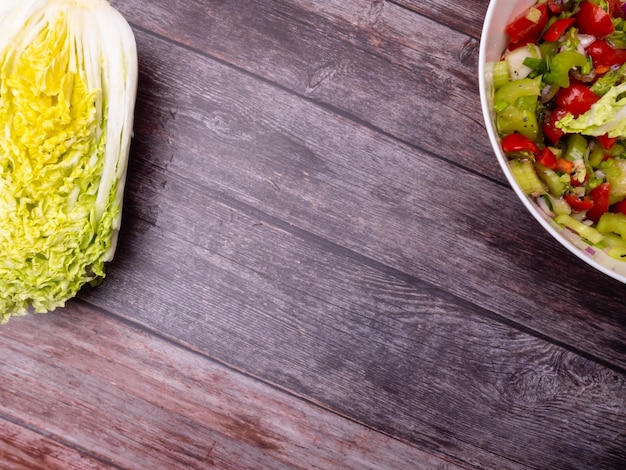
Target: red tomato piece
547,159
593,19
619,207
578,204
606,141
550,130
518,143
576,99
557,29
619,56
529,25
600,198
575,182
615,8
604,55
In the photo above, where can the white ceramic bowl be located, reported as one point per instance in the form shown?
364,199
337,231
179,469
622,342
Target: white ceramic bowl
493,42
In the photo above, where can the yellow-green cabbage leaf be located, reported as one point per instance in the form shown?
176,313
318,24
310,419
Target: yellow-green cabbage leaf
68,78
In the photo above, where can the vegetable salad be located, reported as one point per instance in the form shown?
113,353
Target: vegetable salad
560,110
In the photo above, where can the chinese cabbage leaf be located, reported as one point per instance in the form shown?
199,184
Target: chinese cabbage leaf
68,80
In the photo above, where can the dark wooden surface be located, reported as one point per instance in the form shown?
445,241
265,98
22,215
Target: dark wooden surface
321,266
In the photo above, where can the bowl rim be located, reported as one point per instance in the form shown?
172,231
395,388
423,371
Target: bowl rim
587,253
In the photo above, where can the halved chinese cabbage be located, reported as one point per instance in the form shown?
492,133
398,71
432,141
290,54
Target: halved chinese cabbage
68,81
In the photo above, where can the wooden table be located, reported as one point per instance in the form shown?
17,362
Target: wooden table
321,266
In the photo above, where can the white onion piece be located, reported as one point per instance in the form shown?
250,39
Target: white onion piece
515,61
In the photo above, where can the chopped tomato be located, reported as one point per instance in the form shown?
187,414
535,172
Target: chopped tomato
604,55
520,144
577,203
529,25
600,198
550,130
547,159
619,207
606,141
614,8
619,56
557,29
593,19
574,179
576,99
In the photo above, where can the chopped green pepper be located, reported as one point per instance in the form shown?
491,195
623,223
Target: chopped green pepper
612,223
560,66
615,171
516,105
576,147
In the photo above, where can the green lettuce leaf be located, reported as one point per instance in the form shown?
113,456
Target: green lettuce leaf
606,116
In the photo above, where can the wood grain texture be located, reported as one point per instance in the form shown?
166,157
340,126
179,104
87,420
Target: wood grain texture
467,16
236,105
91,392
24,448
312,201
343,182
387,350
339,55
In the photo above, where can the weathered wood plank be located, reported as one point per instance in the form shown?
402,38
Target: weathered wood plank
383,69
326,175
306,315
93,385
22,448
467,16
289,217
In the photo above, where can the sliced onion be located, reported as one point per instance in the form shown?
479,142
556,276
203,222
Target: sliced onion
548,92
545,208
590,77
586,40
